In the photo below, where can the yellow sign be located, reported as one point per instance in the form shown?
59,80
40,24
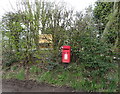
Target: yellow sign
45,40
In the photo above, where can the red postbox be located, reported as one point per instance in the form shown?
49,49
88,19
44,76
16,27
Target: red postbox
66,54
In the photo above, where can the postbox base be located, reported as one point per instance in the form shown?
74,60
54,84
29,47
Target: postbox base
66,62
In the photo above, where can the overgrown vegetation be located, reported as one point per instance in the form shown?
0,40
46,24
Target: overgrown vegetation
94,56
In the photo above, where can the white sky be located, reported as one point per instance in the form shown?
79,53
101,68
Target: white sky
78,5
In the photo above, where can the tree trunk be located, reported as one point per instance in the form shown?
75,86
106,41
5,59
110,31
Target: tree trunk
110,22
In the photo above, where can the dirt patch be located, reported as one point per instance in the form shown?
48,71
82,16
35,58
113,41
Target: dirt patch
14,85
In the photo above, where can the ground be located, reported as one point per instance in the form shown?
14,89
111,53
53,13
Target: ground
14,85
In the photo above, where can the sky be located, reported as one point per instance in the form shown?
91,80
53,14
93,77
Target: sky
79,5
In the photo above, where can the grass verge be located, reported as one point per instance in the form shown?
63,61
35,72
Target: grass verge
72,76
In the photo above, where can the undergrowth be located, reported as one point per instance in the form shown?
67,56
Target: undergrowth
74,78
71,76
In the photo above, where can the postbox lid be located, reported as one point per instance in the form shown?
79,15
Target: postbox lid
66,47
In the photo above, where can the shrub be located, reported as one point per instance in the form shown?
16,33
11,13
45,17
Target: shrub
95,57
9,58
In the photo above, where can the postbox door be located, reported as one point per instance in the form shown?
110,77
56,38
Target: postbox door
66,56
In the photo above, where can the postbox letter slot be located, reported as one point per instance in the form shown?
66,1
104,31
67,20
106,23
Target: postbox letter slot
65,49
